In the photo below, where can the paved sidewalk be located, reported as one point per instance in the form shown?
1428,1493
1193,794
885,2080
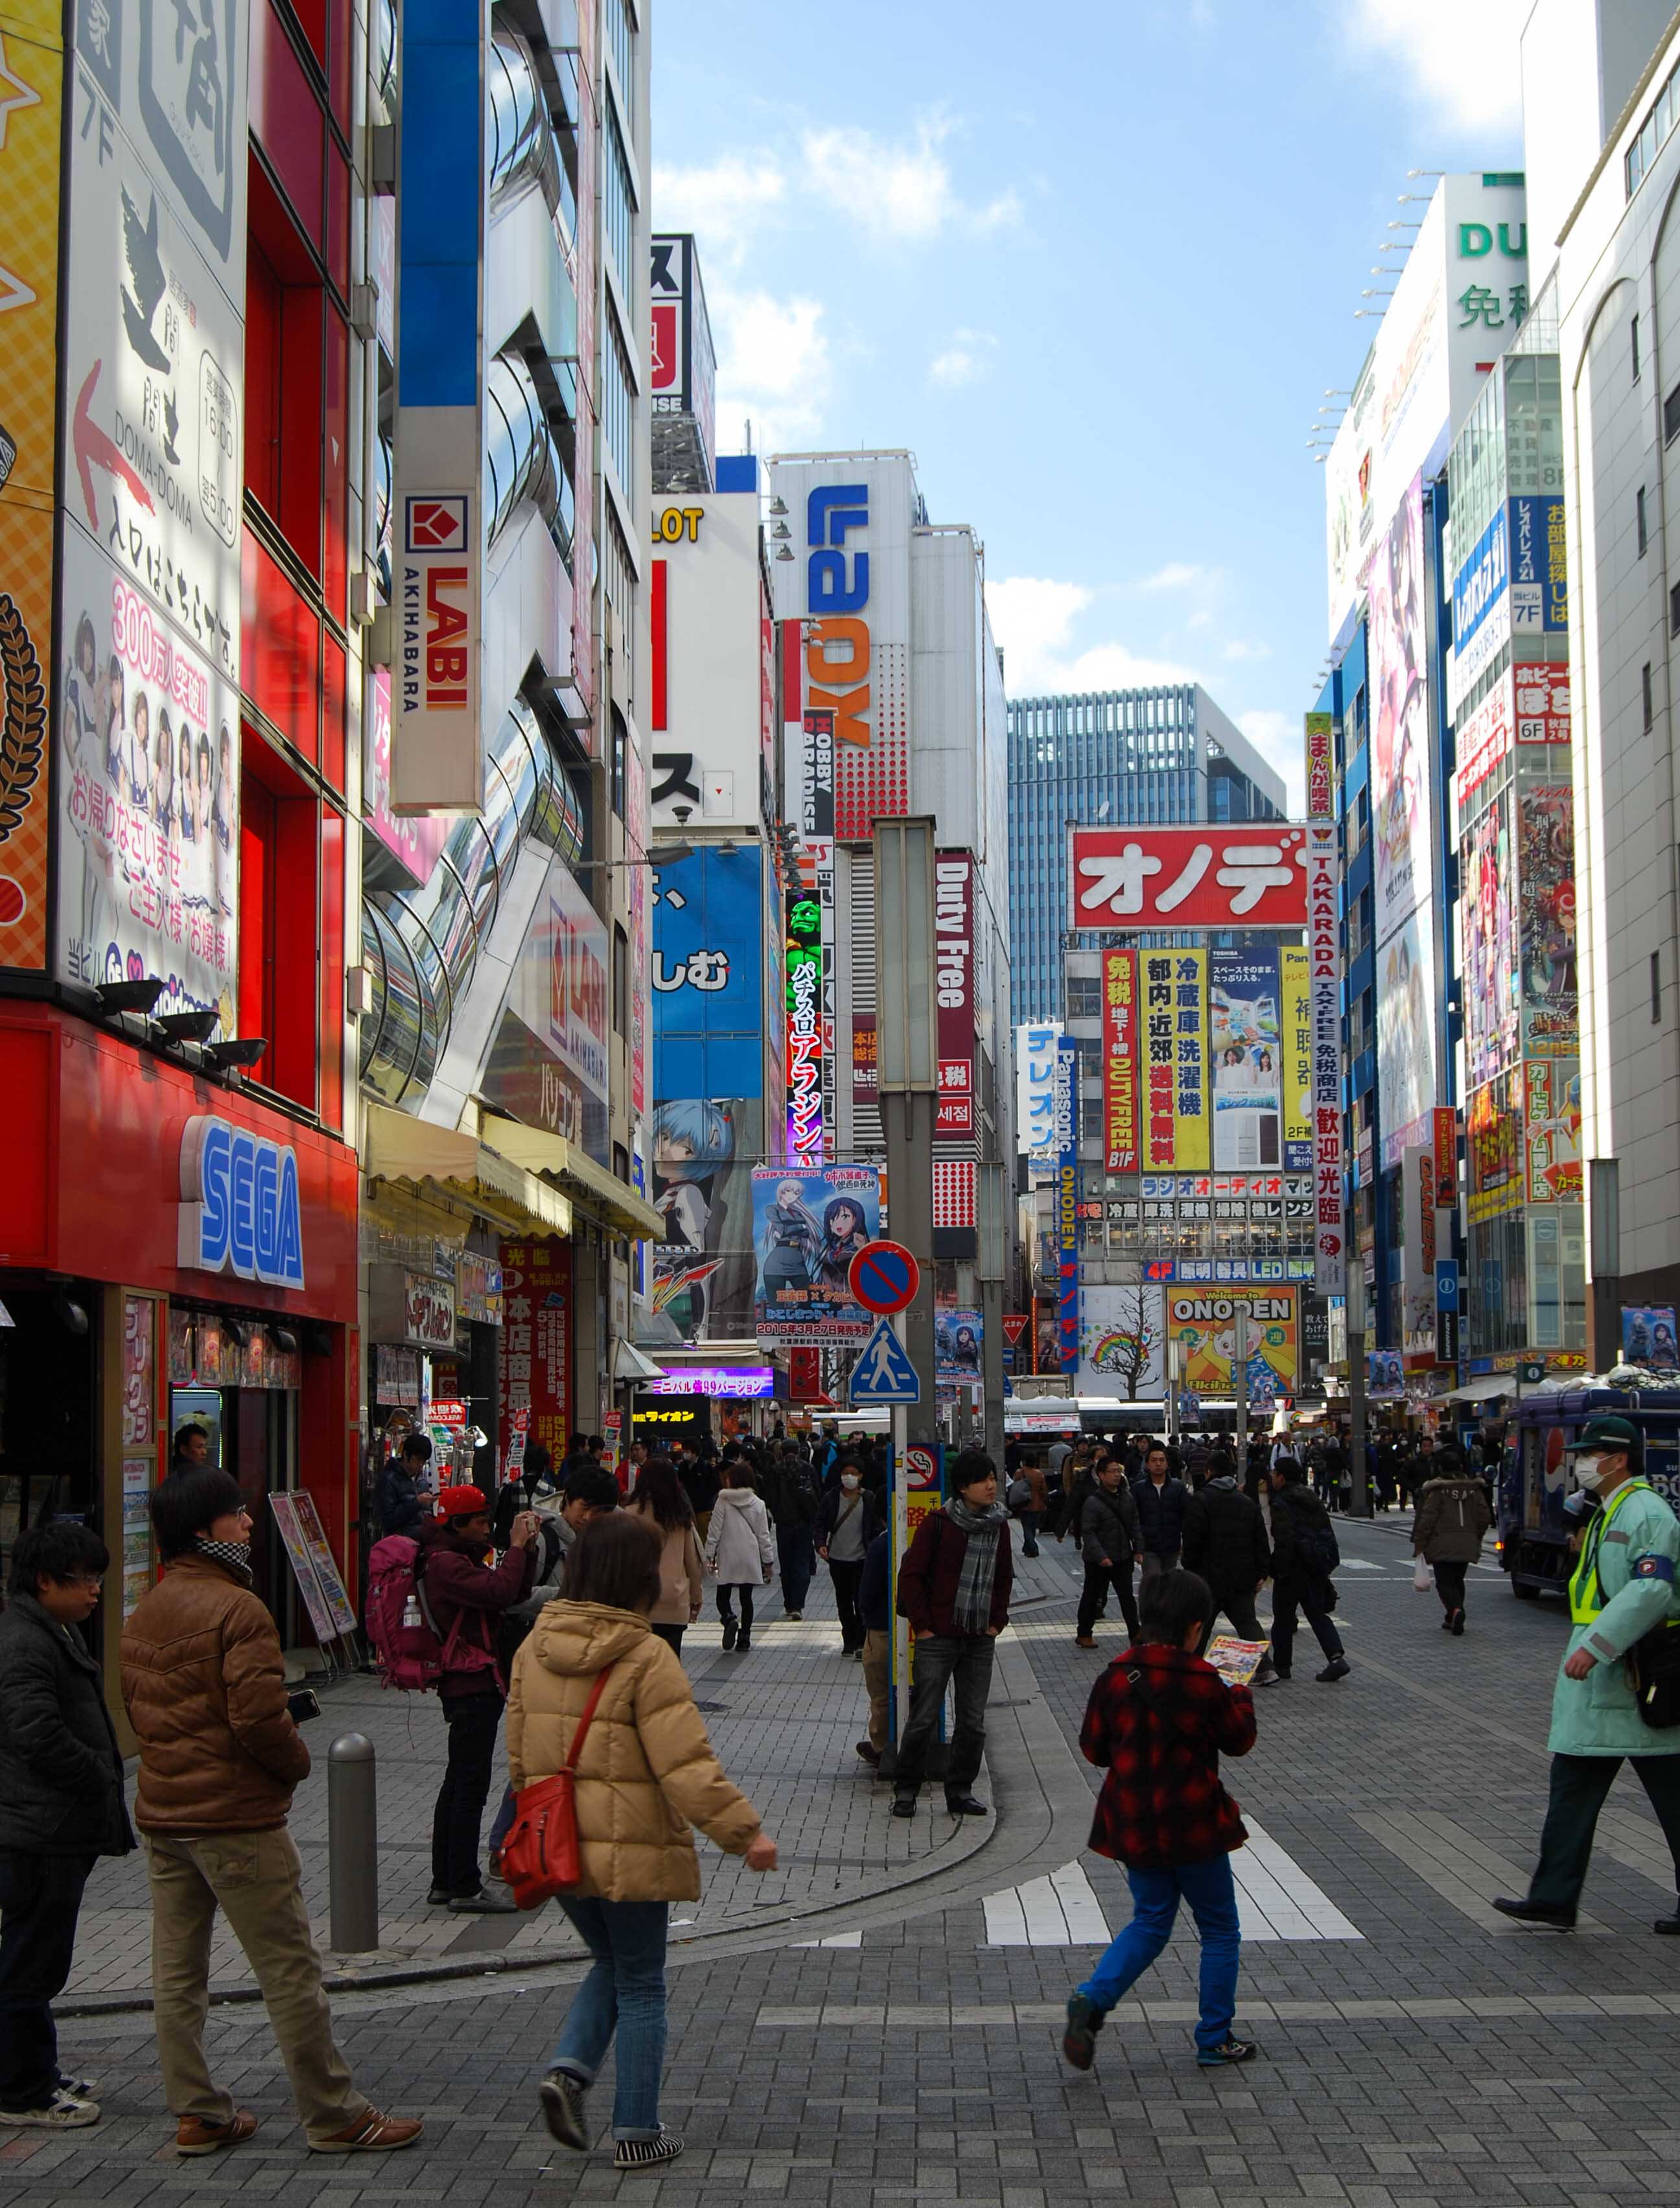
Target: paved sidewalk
784,1720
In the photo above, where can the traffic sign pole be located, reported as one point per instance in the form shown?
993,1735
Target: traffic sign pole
901,1532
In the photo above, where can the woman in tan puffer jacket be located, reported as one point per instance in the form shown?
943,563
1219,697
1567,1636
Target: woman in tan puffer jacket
645,1772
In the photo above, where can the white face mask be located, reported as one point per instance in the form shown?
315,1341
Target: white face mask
848,1480
1589,1472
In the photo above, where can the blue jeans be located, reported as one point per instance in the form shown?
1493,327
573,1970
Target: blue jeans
1211,1892
625,1991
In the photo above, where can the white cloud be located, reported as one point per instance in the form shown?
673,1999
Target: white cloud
1278,739
1033,618
901,191
773,368
1241,648
1461,61
723,201
964,359
1176,575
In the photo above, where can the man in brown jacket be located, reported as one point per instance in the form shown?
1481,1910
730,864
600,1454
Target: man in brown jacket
1448,1528
204,1686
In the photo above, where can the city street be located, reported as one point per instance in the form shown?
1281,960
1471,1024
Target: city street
1416,2047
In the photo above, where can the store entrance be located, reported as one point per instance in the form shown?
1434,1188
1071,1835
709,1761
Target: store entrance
253,1434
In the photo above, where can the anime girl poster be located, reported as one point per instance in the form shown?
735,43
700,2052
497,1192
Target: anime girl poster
807,1228
704,1152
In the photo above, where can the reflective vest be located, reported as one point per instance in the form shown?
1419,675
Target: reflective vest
1586,1591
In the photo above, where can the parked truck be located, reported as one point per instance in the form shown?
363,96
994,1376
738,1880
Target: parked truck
1535,1531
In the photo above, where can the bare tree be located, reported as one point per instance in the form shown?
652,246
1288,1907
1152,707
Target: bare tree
1132,1339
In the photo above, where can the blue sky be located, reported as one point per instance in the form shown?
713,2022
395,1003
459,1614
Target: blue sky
1094,264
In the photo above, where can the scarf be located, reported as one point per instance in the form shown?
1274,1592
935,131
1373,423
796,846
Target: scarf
233,1557
972,1609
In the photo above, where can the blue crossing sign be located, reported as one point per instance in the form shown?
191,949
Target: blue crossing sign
883,1373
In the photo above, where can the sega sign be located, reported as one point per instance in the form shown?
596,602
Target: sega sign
240,1212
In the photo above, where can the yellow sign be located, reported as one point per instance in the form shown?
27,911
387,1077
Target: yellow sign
32,71
1175,1061
1295,976
1202,1338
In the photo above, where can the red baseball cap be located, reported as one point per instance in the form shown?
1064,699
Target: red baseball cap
462,1503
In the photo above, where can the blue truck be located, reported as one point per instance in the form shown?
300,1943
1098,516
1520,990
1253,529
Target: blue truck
1534,1477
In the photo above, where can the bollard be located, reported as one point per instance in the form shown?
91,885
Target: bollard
352,1841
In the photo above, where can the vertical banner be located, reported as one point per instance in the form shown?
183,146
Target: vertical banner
1324,959
1320,766
805,1030
1446,1157
1246,1030
443,203
954,992
1417,1254
1067,1204
1119,1060
1295,981
1175,1035
1035,1048
534,1348
1546,908
32,106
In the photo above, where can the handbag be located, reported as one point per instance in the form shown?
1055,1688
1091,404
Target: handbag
1422,1578
541,1856
1653,1673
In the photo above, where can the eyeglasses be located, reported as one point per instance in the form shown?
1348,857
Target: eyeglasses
93,1581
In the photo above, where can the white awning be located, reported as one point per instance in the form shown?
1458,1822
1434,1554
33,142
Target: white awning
455,1167
598,1191
629,1364
1493,1385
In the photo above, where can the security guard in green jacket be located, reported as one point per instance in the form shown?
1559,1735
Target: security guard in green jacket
1624,1586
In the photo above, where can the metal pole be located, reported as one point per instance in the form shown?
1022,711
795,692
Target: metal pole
900,1537
1359,1494
1240,1384
352,1844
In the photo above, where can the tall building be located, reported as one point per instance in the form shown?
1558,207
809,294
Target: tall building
1156,755
1601,97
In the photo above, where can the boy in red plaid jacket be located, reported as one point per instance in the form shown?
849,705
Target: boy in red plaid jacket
1157,1721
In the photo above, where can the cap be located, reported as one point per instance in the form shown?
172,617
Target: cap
1618,1434
461,1503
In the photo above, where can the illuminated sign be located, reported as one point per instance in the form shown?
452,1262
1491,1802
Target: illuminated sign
735,1380
239,1207
805,1030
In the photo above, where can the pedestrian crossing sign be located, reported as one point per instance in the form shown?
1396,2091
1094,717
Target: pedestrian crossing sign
883,1373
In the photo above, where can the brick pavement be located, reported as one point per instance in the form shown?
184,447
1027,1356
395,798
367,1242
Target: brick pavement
1434,2060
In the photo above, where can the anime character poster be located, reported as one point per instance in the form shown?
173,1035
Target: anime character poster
1205,1328
1400,725
705,1150
807,1228
1546,902
1406,1034
1648,1336
1487,908
957,1335
1247,1058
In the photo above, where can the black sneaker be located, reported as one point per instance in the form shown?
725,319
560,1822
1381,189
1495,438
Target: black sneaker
1234,2050
1337,1668
1084,2021
904,1806
731,1634
966,1805
439,1897
562,2098
1536,1912
1457,1623
646,2154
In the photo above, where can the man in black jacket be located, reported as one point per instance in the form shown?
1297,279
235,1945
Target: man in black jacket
1109,1542
1160,1501
61,1808
1224,1542
1303,1556
401,1510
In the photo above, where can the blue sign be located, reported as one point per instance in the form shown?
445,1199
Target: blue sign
1540,565
708,975
1481,581
1446,1284
240,1212
883,1374
1067,1204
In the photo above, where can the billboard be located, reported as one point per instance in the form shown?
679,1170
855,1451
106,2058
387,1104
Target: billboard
1119,1060
708,1124
148,799
1481,606
548,1063
1419,1251
1487,915
1067,1203
849,581
1247,1059
1542,702
1035,1091
1514,586
1208,877
954,991
534,1349
31,130
1493,1143
807,1227
806,1027
958,1336
707,705
1539,566
1648,1336
1202,1338
1122,1343
411,844
1551,1121
1406,1085
1546,917
1295,981
1175,1051
1324,950
1400,719
682,361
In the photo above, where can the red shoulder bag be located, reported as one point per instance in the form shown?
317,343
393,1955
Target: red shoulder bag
540,1856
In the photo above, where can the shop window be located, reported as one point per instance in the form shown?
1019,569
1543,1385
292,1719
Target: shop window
331,966
281,649
278,858
286,117
333,708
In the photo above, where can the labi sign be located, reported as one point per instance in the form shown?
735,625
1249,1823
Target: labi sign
240,1212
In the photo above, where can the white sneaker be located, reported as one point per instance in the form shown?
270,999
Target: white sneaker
62,2113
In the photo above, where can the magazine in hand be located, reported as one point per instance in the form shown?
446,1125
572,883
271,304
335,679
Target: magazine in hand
1236,1661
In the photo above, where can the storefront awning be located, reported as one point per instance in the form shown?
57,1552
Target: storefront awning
1483,1390
629,1364
443,1162
599,1191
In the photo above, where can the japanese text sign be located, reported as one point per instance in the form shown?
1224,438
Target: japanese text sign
1324,963
1320,766
1175,1051
1119,1060
1245,875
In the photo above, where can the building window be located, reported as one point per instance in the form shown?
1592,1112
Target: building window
618,203
618,36
1672,416
621,761
1646,696
1084,997
1656,988
1641,532
1635,347
616,416
621,981
1674,611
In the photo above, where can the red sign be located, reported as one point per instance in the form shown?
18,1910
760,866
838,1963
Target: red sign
1446,1157
535,1346
1244,875
1484,739
1015,1325
1542,704
954,992
1119,1059
805,1374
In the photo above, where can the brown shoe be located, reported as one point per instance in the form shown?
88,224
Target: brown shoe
194,2135
373,2134
1085,1641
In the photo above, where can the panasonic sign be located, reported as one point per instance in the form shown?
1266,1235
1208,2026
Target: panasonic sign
240,1212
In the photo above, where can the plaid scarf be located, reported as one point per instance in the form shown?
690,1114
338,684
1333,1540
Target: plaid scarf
234,1557
972,1610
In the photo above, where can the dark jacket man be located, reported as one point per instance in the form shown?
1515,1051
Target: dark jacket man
1304,1543
932,1566
1108,1525
1161,1513
402,1508
61,1771
1225,1537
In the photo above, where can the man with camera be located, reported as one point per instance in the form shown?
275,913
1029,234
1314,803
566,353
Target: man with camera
1623,1590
